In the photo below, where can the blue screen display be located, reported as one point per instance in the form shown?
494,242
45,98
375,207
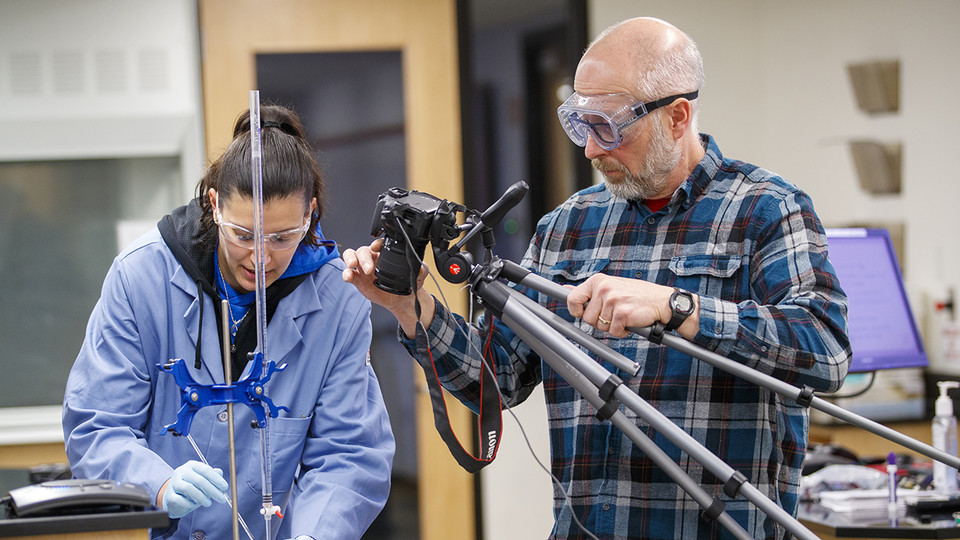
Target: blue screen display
883,334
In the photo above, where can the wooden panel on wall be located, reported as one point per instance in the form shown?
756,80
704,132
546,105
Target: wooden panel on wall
24,456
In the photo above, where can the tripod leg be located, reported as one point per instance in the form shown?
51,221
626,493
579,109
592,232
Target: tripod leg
523,316
589,391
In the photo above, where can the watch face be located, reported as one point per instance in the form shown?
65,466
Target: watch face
683,302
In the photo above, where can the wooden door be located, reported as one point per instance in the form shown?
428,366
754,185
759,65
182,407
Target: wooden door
425,32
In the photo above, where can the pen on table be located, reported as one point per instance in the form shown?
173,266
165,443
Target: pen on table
892,486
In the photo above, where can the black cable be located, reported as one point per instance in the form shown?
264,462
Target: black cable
873,377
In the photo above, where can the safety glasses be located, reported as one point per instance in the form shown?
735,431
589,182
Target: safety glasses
245,238
606,116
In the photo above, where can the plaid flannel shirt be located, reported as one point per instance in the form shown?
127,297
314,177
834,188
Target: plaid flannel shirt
750,245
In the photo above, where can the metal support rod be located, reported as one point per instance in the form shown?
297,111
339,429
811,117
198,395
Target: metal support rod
231,441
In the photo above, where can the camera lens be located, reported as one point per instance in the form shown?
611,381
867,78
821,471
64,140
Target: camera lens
393,270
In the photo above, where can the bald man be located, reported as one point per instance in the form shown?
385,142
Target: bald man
728,255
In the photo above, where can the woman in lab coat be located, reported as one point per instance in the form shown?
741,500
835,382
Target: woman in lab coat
331,450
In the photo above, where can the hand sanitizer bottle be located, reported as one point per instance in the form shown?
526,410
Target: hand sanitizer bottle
945,439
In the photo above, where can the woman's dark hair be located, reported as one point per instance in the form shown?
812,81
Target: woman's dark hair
289,168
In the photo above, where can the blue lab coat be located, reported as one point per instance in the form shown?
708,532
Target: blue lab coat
331,452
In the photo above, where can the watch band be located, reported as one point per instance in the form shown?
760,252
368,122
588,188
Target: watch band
679,314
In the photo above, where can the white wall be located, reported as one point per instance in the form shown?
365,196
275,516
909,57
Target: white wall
777,95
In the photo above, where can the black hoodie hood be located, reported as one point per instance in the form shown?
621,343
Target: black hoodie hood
180,230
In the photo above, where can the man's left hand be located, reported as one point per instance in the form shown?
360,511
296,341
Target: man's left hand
612,304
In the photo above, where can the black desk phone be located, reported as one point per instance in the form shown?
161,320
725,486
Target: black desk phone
75,497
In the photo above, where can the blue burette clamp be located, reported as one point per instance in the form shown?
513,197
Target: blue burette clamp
248,390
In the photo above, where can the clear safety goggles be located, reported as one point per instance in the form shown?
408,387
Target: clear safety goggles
606,116
245,238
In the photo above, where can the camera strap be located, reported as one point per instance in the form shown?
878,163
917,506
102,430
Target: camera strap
490,419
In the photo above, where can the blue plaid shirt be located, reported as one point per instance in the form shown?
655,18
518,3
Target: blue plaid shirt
750,245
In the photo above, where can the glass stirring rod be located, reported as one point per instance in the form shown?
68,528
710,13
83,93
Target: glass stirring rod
229,502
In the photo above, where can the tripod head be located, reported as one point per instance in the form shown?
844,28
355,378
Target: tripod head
411,219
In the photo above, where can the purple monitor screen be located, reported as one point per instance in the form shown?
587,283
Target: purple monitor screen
882,331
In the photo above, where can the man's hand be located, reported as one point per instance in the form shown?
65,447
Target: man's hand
612,304
361,264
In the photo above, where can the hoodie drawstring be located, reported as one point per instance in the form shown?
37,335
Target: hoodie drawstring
196,363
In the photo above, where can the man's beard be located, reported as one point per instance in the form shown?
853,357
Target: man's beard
664,156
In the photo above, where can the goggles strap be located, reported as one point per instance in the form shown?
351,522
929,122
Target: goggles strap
653,105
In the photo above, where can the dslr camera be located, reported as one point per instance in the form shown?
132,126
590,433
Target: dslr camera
409,220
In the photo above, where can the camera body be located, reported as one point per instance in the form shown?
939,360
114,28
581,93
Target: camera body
409,220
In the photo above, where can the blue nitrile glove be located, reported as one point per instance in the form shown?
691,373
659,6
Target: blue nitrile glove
302,537
192,485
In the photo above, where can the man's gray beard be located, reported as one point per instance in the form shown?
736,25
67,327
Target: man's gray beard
650,180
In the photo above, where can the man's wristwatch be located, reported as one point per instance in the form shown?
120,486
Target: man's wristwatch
681,304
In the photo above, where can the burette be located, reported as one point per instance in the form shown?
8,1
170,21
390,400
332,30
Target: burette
256,165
